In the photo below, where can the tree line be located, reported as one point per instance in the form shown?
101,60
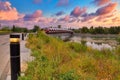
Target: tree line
99,30
19,29
91,30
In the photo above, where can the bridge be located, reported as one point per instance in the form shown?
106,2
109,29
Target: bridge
55,30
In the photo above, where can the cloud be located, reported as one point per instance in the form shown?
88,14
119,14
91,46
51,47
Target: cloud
78,11
37,1
87,18
106,9
37,17
33,17
63,2
7,12
101,2
40,1
66,18
59,13
116,19
104,18
101,13
46,20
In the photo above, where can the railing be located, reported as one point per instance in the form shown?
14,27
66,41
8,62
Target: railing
57,30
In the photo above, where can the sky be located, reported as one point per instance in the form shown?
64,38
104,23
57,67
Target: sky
68,13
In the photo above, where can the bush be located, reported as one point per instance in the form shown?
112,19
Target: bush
77,47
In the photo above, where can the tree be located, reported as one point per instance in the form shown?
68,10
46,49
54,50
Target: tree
13,28
5,28
84,30
36,28
99,30
91,30
59,26
113,30
25,30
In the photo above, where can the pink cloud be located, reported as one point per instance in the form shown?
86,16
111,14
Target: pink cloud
66,18
101,13
62,2
37,13
33,17
37,17
46,20
7,12
78,11
37,1
59,13
101,2
106,9
88,18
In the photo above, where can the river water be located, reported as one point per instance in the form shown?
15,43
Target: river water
96,43
104,42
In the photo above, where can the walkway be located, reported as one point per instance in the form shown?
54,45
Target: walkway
25,57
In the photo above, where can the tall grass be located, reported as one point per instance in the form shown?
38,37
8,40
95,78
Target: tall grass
57,60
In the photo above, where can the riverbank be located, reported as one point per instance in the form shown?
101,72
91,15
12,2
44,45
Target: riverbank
58,60
97,35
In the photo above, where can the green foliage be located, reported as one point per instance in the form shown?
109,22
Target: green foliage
56,60
99,30
84,30
5,30
36,28
76,30
77,47
18,29
70,75
118,39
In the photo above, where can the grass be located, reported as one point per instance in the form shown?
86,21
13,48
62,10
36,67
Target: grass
57,60
118,39
4,32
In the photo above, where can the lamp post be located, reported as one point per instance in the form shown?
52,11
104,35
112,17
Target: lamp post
15,56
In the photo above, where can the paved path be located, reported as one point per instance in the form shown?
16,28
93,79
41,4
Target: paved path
4,55
25,57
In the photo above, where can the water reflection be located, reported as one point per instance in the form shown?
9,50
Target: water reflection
96,43
99,46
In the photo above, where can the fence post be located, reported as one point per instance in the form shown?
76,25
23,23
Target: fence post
15,56
22,36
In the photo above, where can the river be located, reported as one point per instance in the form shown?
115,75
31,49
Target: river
96,42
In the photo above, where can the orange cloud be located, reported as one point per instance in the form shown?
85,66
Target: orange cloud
101,2
106,9
7,12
